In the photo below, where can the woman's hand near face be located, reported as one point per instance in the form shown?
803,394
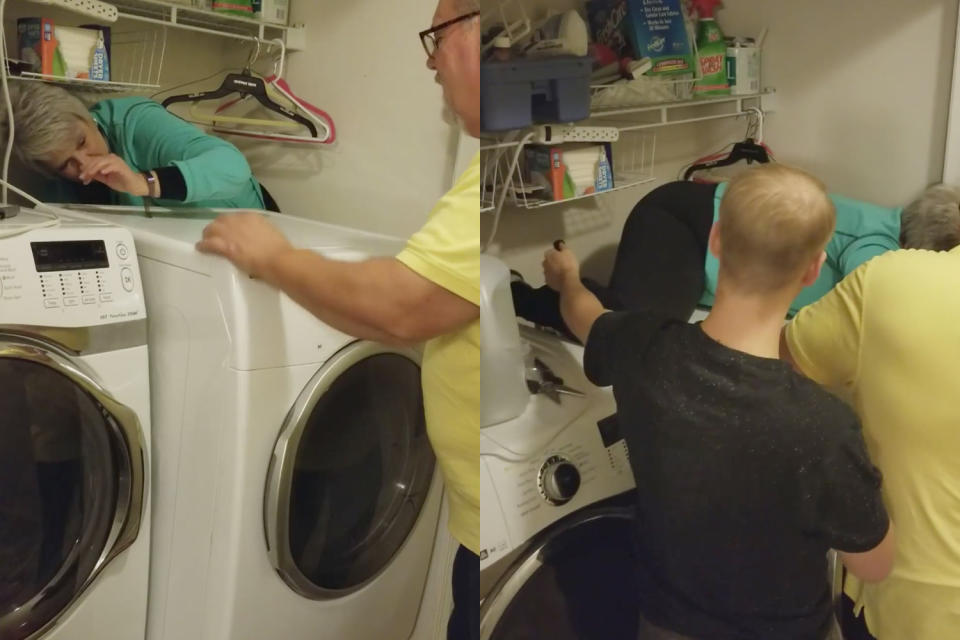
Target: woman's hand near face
112,171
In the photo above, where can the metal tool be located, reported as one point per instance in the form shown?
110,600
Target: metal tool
540,379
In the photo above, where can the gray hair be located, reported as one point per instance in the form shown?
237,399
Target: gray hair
932,221
44,118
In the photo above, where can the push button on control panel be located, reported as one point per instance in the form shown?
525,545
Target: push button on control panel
126,278
122,252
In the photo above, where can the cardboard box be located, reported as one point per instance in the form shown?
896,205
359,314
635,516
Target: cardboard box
654,29
37,44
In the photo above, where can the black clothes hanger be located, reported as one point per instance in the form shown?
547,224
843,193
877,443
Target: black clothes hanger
244,83
747,150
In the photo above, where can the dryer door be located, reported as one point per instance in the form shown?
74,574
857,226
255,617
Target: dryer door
576,580
71,483
350,472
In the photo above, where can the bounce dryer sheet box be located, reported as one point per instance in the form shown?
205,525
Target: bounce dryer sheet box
655,29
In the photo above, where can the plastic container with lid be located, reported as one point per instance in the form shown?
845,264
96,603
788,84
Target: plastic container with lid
516,93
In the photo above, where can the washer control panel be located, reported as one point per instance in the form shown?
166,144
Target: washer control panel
584,464
69,276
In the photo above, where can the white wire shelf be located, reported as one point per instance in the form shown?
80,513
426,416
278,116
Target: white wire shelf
85,84
177,15
658,115
666,107
632,162
136,63
196,19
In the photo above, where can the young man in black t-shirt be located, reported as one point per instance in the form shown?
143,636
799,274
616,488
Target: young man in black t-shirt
747,473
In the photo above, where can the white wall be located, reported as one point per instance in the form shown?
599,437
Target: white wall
394,157
862,95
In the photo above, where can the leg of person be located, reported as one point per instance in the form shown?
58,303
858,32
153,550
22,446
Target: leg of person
689,202
542,305
659,263
660,259
464,621
853,627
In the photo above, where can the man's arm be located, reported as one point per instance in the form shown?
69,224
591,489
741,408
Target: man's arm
579,308
873,565
379,299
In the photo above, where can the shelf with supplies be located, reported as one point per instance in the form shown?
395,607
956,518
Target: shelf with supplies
630,118
135,66
84,84
520,171
625,133
183,16
176,15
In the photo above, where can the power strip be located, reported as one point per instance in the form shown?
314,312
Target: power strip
95,8
557,133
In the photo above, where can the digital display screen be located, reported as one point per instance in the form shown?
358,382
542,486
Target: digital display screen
70,255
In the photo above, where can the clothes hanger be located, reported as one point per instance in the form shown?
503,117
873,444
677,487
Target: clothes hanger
281,91
751,149
245,84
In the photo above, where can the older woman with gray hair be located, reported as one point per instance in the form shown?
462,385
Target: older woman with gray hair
122,150
663,263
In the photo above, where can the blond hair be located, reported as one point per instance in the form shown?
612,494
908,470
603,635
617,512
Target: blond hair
774,222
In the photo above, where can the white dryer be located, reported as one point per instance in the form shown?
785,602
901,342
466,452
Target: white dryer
297,493
74,433
558,523
558,520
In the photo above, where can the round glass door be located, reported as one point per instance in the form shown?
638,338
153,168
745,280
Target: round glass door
66,484
351,472
578,581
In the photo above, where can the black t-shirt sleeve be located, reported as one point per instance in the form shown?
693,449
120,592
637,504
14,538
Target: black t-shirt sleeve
616,341
848,510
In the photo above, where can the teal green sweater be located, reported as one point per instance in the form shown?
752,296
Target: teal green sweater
149,137
863,231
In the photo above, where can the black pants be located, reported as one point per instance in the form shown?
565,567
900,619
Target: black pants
853,627
465,619
659,263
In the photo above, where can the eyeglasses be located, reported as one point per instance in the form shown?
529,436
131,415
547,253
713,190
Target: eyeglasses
430,38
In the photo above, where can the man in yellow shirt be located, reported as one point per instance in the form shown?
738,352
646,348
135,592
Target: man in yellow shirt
429,293
887,335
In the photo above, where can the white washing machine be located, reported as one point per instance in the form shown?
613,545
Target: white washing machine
297,494
558,524
74,433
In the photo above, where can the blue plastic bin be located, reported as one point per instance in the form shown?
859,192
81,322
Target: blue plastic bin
516,93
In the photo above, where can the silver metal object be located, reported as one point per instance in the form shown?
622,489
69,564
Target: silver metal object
541,379
86,340
132,476
530,560
276,512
